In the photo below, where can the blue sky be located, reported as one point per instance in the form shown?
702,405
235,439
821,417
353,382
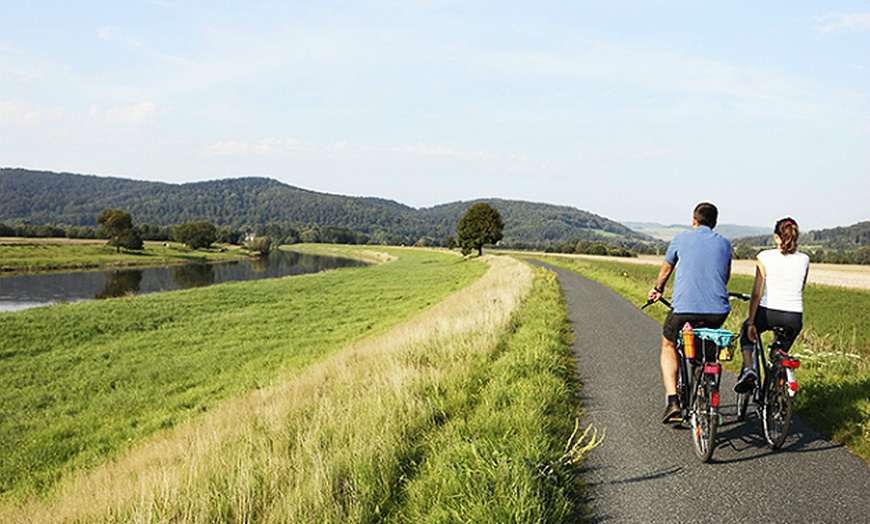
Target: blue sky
634,110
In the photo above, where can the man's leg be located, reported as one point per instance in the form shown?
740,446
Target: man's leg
669,377
669,366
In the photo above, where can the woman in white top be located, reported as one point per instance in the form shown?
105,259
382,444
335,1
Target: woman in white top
777,296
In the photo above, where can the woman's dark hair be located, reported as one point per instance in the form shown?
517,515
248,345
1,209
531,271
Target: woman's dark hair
787,230
706,214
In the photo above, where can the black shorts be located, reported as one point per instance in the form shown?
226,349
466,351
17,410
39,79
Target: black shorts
767,318
675,321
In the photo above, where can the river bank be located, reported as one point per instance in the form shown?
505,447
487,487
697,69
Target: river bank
38,255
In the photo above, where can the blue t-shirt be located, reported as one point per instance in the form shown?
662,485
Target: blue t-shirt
703,260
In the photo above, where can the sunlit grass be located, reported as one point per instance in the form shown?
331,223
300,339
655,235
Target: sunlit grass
83,382
461,414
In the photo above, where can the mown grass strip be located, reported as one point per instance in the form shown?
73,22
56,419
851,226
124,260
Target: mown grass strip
834,346
83,382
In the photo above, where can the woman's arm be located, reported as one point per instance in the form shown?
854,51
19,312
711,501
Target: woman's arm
755,299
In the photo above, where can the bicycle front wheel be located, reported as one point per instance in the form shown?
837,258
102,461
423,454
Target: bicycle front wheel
777,408
704,416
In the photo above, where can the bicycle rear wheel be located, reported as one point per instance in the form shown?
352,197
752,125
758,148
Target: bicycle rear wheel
704,416
777,408
742,405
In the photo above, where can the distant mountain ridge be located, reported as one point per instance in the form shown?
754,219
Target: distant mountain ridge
667,232
42,197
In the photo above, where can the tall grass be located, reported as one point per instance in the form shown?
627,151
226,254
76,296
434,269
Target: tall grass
461,414
83,382
834,346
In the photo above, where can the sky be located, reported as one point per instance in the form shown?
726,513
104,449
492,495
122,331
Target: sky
633,110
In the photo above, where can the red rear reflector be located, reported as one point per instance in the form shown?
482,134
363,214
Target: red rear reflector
715,399
793,386
790,363
712,368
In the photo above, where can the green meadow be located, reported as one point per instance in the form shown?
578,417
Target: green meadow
834,346
19,255
425,389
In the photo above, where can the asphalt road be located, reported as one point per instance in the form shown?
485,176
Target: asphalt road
646,471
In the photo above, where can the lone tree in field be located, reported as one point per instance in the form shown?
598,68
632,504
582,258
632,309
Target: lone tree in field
196,234
117,225
481,224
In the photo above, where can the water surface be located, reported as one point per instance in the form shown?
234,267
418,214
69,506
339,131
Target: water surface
25,291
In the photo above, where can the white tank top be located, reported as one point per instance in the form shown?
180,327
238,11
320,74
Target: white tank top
783,287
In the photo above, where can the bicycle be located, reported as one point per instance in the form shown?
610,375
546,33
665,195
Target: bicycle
698,378
774,399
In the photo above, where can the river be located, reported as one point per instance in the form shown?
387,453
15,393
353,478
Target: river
20,292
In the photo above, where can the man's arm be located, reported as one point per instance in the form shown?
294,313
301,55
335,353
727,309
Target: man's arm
664,274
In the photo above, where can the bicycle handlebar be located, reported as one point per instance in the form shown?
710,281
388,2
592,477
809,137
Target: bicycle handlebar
662,300
741,296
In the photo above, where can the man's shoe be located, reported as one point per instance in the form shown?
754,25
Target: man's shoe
746,381
672,413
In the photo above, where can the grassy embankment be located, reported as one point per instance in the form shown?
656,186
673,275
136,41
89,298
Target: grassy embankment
23,255
238,403
834,346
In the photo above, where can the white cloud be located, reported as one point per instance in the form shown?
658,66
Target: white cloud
292,146
23,114
848,22
124,116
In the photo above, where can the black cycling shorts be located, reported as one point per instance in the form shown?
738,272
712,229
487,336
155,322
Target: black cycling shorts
767,318
675,321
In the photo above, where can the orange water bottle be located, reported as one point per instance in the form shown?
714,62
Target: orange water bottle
688,341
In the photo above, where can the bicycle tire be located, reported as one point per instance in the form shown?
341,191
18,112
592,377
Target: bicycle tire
704,418
683,388
777,408
743,405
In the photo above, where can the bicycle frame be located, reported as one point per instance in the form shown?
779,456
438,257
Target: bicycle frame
776,374
698,380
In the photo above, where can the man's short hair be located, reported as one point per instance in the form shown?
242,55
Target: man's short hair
706,214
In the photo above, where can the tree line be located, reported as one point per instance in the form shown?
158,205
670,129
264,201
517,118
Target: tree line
45,204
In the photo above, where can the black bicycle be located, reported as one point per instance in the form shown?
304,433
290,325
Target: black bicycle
774,399
699,371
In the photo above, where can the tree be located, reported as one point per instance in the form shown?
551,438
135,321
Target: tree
117,225
261,246
196,234
481,224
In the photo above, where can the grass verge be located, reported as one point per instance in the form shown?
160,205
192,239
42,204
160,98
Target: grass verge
83,382
834,346
461,414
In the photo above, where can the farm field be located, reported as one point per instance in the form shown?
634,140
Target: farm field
339,396
839,275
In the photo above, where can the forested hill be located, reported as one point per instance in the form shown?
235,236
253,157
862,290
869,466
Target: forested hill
38,197
850,244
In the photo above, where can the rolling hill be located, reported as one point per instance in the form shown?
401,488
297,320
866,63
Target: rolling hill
40,197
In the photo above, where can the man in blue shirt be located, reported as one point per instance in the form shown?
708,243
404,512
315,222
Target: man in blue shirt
702,260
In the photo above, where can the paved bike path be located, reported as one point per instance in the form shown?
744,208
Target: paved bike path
647,472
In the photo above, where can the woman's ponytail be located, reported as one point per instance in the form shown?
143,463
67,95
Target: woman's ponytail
787,230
